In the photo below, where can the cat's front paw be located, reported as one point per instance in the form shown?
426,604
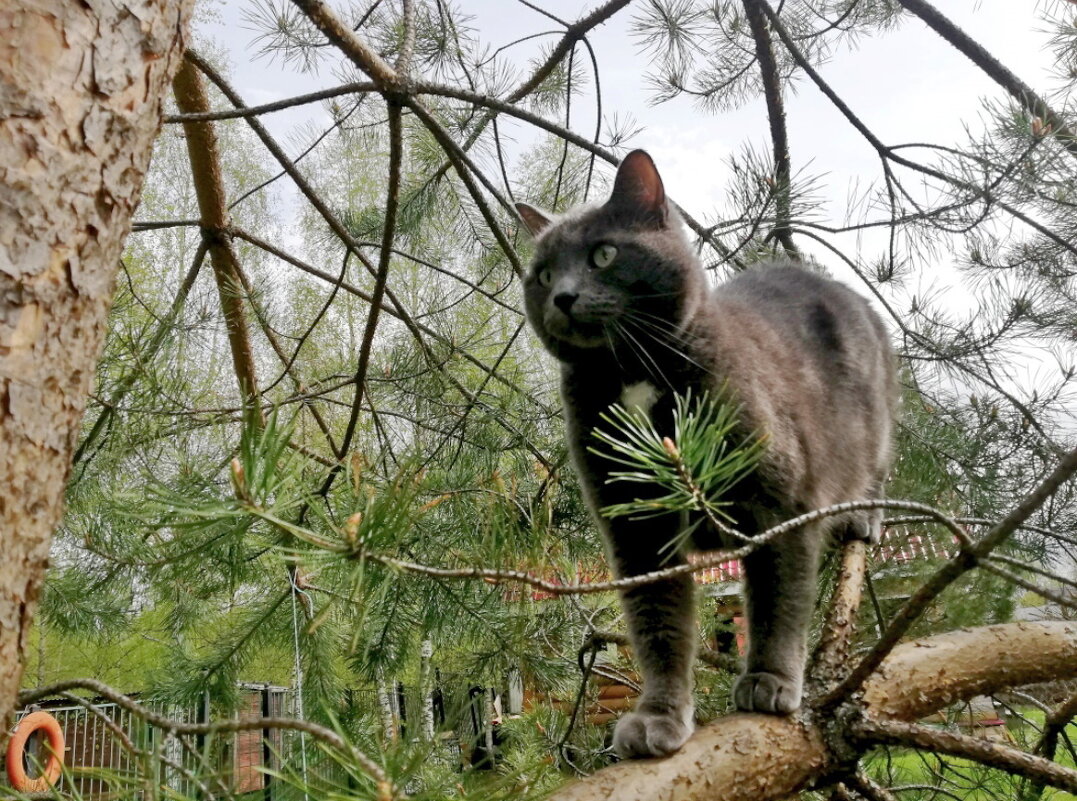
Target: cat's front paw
766,692
648,734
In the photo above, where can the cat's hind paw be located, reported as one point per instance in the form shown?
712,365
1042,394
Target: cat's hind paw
648,734
766,692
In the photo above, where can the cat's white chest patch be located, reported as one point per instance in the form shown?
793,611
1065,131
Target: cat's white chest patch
641,397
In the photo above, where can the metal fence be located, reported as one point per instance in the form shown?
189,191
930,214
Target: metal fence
112,753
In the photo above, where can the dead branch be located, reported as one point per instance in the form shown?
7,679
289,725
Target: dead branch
392,197
772,91
355,87
708,560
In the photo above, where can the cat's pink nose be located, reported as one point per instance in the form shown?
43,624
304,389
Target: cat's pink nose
564,301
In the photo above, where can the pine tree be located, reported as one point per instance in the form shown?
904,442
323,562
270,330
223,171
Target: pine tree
324,451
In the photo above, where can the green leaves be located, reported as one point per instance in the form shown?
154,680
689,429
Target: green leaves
708,455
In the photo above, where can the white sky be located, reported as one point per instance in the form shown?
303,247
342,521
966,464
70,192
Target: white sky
907,85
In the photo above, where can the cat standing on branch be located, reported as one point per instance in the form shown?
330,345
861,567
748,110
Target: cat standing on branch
617,294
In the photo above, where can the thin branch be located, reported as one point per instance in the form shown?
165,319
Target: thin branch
709,560
992,567
157,225
392,199
1054,727
146,353
393,311
338,228
995,755
356,87
461,164
772,91
995,70
869,788
289,367
574,33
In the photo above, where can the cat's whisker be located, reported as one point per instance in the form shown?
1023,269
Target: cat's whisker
670,294
631,343
659,335
651,321
646,353
609,339
645,357
661,340
658,322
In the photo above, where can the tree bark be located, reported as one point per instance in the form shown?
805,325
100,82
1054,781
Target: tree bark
205,160
81,88
746,757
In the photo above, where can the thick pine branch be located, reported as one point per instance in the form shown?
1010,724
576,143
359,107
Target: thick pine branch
209,189
766,757
953,570
832,653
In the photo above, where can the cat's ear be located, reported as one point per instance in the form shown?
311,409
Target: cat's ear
534,220
638,190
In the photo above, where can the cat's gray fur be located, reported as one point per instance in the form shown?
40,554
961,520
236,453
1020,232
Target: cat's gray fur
807,360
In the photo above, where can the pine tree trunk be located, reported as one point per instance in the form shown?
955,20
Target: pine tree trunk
81,86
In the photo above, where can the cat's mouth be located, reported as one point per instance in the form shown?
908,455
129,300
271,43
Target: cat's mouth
577,333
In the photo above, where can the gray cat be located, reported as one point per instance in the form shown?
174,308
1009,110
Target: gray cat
618,295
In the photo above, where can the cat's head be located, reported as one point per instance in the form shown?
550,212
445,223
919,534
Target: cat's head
605,274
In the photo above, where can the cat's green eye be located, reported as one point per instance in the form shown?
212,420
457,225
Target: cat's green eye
545,276
603,255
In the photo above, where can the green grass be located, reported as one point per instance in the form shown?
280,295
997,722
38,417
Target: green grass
965,779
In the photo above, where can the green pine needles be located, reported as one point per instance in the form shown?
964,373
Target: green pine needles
708,455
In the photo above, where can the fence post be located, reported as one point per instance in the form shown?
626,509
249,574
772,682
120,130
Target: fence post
267,750
202,716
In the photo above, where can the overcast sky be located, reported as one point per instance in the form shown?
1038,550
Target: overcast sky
907,85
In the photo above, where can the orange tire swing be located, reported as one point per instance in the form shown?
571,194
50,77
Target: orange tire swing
16,749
